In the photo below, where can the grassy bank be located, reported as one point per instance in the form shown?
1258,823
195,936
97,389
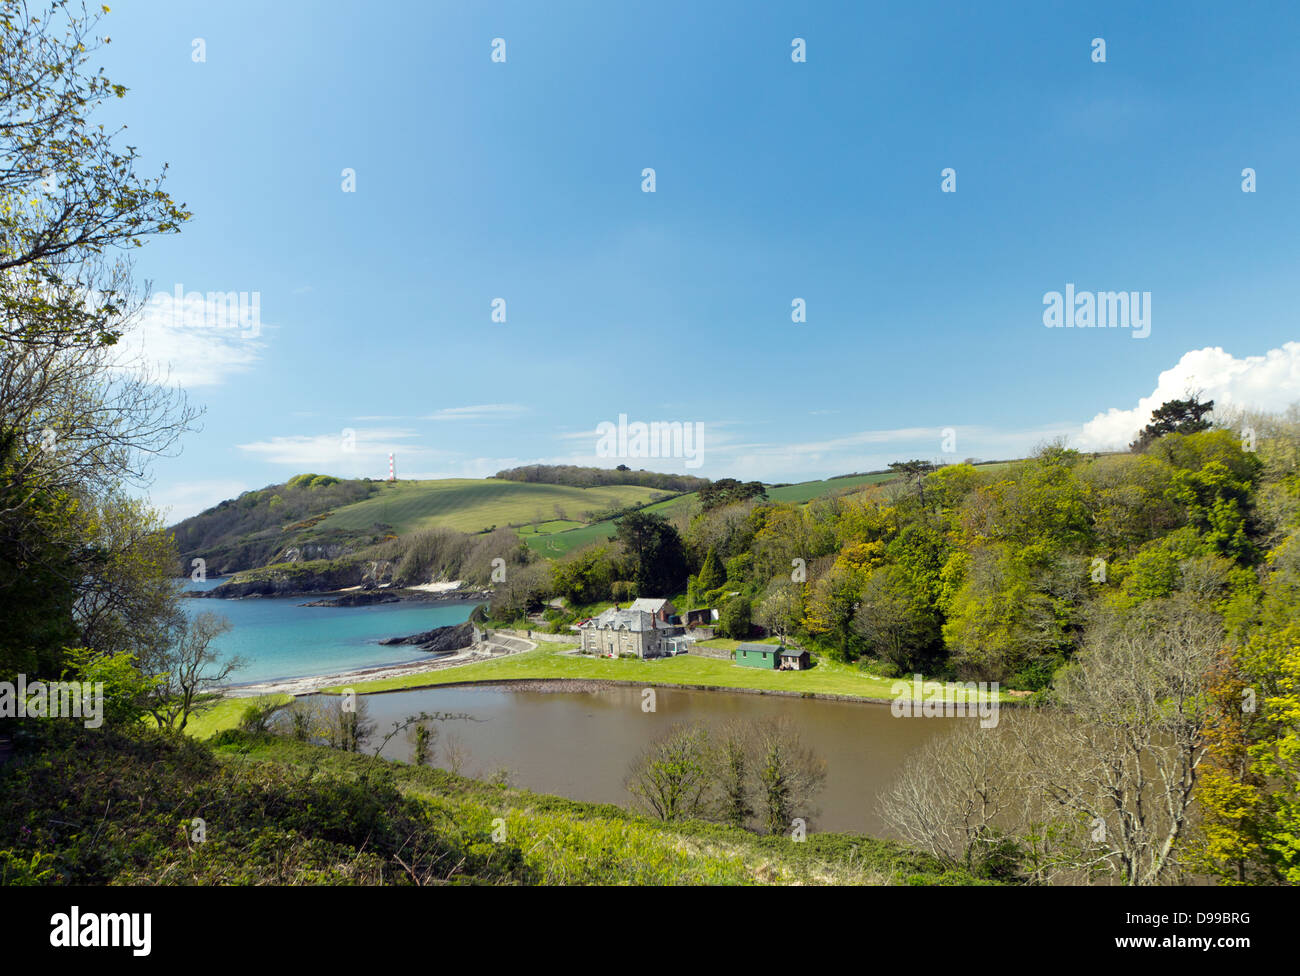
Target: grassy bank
224,715
562,841
136,806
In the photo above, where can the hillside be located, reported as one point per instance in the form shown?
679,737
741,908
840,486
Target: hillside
315,517
473,505
258,526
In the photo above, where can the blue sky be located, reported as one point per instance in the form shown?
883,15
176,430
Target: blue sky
775,180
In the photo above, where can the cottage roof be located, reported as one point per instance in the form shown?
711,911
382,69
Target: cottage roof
751,646
790,652
613,619
649,604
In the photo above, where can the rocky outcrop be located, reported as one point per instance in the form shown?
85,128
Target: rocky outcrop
440,640
310,551
365,598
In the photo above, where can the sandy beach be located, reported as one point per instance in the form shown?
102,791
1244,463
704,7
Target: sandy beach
312,683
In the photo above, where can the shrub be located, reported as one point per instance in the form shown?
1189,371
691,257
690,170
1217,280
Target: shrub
734,620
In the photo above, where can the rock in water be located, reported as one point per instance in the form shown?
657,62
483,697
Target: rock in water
440,640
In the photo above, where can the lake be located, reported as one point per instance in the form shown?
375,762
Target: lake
579,745
576,744
280,639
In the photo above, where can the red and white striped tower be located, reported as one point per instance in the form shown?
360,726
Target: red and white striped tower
392,470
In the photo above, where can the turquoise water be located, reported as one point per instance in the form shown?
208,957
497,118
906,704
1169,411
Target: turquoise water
280,639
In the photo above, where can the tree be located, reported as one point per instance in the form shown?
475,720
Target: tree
1136,713
71,194
788,774
731,766
587,576
77,419
712,574
831,604
968,800
729,491
781,607
735,619
671,776
655,548
1186,416
888,620
524,591
914,472
190,672
422,736
1250,789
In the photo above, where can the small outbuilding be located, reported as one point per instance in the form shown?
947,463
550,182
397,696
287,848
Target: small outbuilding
792,659
757,656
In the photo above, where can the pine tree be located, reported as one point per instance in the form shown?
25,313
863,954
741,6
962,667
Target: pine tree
712,575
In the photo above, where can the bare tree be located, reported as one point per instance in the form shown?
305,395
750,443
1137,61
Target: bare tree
1098,786
190,673
455,754
1126,755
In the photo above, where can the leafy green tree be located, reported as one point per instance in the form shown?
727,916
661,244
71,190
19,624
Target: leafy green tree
789,775
735,620
671,778
892,624
655,549
1186,416
781,608
731,768
729,491
587,576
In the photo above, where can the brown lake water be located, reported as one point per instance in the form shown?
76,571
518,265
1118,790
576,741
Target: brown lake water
579,744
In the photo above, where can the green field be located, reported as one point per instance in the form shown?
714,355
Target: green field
806,491
547,528
827,677
470,505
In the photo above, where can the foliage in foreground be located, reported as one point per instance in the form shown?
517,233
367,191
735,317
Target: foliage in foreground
100,807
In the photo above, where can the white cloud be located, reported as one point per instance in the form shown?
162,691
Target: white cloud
482,411
350,452
1268,382
185,498
193,343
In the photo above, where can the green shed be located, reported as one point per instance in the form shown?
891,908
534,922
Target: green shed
758,655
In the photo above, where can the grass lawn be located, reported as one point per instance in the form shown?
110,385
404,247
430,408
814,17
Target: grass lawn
224,715
826,677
